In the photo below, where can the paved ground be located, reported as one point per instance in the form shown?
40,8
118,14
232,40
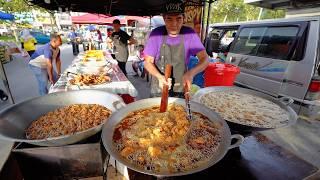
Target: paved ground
302,138
22,82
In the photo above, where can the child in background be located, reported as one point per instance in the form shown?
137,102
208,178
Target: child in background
138,64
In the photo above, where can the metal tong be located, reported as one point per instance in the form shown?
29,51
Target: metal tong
187,99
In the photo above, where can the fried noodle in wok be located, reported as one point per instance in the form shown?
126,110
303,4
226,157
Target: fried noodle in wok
67,120
157,141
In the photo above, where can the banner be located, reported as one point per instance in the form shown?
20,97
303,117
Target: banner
193,16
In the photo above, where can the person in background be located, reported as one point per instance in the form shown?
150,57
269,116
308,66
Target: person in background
89,40
41,63
197,25
229,46
100,40
109,41
99,35
109,32
121,40
28,42
74,38
173,44
138,63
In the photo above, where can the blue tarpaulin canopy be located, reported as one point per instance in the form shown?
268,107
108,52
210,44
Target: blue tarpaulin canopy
91,28
6,16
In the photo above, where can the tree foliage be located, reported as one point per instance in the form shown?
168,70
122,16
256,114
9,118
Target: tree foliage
12,6
237,10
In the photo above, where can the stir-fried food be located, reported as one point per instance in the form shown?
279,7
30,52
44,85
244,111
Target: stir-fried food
246,109
67,120
157,141
89,79
94,54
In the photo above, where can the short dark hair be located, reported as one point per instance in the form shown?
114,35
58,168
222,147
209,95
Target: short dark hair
116,21
54,36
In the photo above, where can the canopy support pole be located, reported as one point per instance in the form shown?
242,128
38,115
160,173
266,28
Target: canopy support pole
150,23
6,82
202,23
208,16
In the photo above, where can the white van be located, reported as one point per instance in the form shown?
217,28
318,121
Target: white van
278,57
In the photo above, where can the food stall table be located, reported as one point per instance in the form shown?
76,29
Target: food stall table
119,83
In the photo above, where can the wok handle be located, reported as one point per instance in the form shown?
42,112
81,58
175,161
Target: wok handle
70,73
118,105
239,141
286,100
165,90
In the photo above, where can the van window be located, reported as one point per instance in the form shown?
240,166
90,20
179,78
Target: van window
248,40
271,42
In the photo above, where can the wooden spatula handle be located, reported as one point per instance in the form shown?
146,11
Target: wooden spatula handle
165,89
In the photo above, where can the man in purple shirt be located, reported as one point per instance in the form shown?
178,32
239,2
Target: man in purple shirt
173,44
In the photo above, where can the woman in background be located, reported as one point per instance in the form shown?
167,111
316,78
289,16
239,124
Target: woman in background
28,42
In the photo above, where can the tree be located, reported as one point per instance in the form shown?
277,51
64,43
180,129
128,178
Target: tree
12,6
273,14
237,10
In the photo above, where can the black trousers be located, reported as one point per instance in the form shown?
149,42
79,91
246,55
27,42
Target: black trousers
122,66
75,48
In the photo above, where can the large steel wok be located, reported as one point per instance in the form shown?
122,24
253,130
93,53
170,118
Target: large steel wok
109,127
15,119
246,129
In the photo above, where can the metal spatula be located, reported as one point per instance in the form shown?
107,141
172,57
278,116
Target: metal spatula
187,98
189,112
165,90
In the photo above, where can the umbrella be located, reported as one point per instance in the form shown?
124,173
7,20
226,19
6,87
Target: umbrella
91,27
124,19
109,20
6,16
89,19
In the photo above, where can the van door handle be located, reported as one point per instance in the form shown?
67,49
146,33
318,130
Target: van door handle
292,82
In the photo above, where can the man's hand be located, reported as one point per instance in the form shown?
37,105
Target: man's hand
51,81
187,80
162,82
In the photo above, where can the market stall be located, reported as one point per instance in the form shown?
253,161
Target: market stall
93,64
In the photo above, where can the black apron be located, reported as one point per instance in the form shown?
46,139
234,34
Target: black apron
174,55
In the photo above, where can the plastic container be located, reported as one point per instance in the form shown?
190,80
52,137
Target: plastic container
219,74
197,79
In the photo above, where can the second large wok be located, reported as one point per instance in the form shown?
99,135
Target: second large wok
223,147
245,129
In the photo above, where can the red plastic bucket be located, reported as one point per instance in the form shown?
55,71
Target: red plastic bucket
219,74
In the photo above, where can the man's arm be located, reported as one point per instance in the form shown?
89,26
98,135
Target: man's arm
50,71
151,68
129,38
58,65
132,41
149,65
201,66
48,57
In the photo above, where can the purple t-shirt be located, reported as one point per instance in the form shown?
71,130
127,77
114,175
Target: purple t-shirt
192,43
